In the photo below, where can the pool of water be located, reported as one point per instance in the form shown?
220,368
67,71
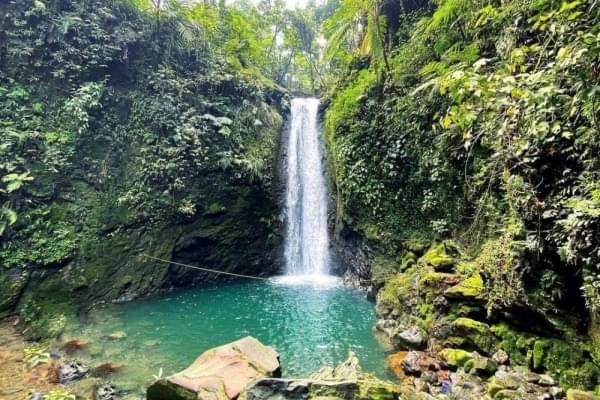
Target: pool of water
310,326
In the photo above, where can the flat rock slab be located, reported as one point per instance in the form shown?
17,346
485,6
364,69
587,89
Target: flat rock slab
220,373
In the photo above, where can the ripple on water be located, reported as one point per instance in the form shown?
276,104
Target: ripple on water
310,325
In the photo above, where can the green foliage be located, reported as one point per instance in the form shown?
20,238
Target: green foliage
85,99
118,118
36,354
499,265
357,21
486,130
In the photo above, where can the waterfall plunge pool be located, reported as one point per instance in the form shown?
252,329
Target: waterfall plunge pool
310,326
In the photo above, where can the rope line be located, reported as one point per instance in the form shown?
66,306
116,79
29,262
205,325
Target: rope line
205,269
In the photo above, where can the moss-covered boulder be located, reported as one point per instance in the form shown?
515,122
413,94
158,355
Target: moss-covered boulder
440,256
456,358
515,343
396,291
470,288
474,335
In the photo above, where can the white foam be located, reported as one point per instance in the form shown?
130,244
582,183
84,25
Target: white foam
318,280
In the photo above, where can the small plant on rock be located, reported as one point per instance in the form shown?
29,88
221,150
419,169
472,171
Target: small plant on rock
36,354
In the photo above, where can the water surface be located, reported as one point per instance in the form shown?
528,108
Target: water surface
310,325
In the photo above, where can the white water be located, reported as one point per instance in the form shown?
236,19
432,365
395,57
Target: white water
306,242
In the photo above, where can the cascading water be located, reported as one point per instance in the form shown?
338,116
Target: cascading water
306,241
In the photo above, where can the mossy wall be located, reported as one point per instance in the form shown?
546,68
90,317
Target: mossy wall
121,149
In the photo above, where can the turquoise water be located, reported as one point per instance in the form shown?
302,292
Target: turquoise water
310,326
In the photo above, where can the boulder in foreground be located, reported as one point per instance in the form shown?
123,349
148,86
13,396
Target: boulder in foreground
220,373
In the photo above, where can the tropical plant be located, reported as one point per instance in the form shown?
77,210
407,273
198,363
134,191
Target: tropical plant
357,25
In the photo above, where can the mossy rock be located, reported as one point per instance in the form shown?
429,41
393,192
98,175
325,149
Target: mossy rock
399,287
573,394
556,354
416,246
376,389
455,357
506,394
383,268
481,366
497,384
475,334
437,257
518,345
408,260
571,364
12,283
438,280
471,288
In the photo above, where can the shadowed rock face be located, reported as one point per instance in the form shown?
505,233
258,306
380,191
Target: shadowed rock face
220,373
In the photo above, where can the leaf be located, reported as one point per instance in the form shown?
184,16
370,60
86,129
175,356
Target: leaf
8,216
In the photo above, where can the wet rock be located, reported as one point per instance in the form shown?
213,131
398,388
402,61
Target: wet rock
219,373
413,338
500,357
106,391
416,362
546,380
348,370
72,371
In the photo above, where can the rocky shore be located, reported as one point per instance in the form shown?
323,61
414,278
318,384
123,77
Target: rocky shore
249,370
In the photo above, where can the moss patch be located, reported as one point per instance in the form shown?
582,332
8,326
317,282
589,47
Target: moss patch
455,357
474,334
471,288
437,257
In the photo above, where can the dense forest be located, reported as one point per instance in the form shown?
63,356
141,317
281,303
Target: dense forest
462,142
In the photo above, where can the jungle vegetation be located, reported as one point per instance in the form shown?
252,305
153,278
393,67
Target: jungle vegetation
471,120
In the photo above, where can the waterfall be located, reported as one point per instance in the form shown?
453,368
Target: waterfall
306,240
